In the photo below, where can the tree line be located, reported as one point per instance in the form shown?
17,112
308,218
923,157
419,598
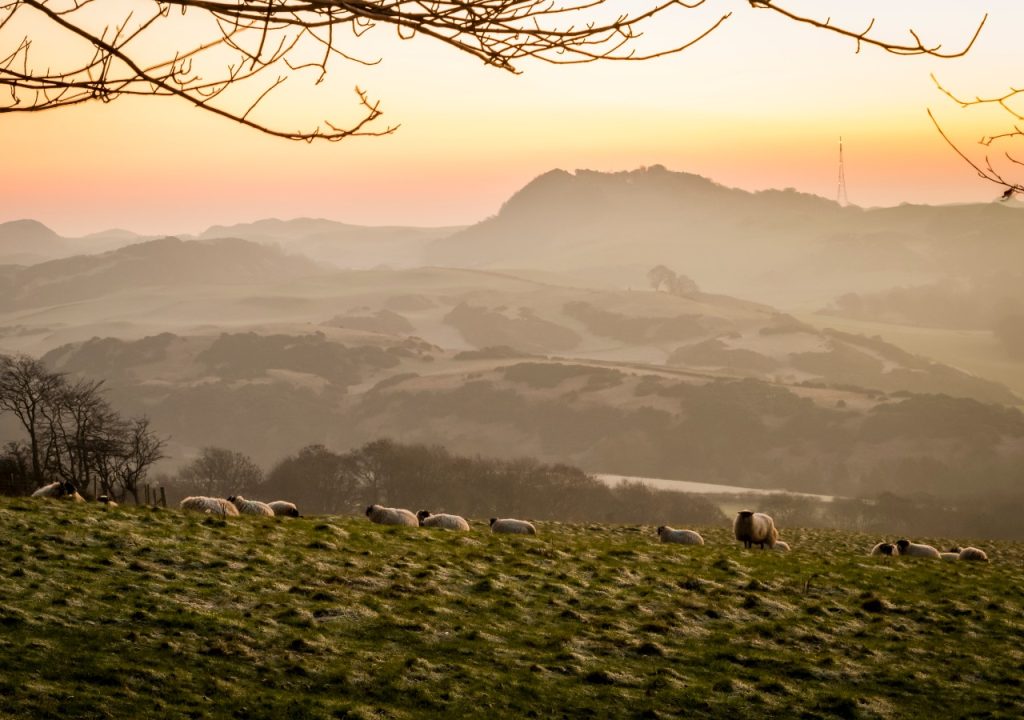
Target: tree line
72,434
321,481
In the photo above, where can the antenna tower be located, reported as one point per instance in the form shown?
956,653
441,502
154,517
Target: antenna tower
841,197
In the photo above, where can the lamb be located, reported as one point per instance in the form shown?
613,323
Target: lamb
917,550
781,546
283,507
251,507
973,553
442,520
391,516
209,505
885,549
753,528
62,489
682,537
512,526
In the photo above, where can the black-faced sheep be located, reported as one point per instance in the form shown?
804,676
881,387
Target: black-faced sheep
884,548
681,537
442,520
63,490
916,550
512,526
251,507
391,516
283,507
754,528
973,553
104,500
209,506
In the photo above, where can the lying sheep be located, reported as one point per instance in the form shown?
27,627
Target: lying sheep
63,489
973,553
682,537
209,506
949,556
753,528
512,526
885,548
916,550
781,546
103,499
391,516
283,507
251,507
442,520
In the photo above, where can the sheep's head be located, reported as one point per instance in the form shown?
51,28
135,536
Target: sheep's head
745,513
661,529
955,548
369,509
902,545
886,548
232,498
492,521
422,515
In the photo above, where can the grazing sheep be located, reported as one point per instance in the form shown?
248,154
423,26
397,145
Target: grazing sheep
682,537
63,489
753,528
209,505
512,526
442,520
251,507
916,550
780,546
885,548
973,553
106,501
949,556
283,507
391,516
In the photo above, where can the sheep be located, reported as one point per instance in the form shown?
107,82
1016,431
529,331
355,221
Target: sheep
973,553
209,505
103,499
283,507
753,528
885,548
512,526
682,537
391,516
251,507
442,520
781,546
917,550
62,489
949,556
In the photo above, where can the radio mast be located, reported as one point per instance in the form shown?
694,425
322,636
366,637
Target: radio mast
841,197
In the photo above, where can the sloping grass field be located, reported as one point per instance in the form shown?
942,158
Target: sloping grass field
135,612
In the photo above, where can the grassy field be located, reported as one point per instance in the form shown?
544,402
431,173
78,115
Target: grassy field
132,613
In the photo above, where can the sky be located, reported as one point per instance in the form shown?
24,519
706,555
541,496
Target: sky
761,103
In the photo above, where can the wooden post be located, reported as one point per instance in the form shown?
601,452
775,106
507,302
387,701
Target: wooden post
148,500
163,497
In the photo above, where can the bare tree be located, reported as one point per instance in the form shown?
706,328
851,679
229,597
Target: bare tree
27,389
229,49
220,472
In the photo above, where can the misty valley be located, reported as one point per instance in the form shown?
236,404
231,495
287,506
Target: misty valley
856,373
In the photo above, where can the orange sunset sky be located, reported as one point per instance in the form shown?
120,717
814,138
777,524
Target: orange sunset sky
758,104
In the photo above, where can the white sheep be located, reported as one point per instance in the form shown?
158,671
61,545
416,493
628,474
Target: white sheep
251,507
884,548
391,516
682,537
62,489
781,546
973,553
512,526
754,528
949,556
283,507
209,506
442,520
917,550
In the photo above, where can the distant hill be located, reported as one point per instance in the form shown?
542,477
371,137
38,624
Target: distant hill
166,262
342,245
781,247
24,242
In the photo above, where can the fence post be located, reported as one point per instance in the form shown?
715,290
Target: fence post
148,499
163,497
